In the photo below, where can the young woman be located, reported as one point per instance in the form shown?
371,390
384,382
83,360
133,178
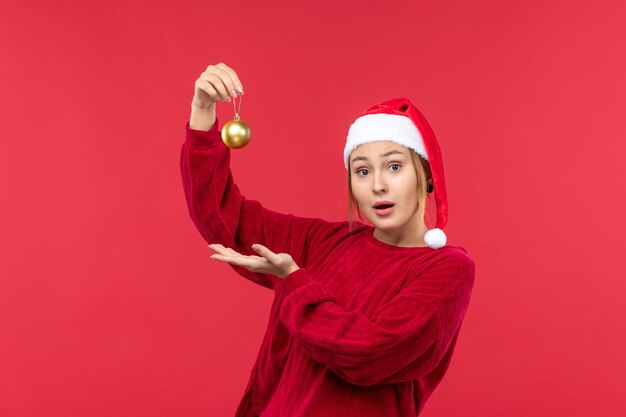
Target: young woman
365,318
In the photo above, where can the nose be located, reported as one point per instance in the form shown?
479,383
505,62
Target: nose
379,185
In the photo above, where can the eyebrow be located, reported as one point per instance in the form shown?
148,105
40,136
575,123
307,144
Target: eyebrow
383,155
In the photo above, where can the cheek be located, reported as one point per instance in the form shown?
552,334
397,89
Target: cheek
358,194
407,188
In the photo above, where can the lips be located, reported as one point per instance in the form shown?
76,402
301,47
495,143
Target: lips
383,207
384,211
383,204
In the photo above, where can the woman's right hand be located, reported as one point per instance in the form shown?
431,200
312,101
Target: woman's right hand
217,83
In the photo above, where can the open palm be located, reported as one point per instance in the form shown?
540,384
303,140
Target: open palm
279,264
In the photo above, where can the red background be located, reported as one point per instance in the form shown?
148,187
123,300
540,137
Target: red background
109,302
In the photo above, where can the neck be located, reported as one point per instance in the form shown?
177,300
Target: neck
410,235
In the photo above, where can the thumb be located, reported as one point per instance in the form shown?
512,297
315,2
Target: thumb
266,253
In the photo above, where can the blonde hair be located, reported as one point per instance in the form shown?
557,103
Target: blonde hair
423,174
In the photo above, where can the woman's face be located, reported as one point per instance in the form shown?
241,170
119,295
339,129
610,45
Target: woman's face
384,171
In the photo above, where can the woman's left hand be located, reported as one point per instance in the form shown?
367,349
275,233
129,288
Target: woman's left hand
280,264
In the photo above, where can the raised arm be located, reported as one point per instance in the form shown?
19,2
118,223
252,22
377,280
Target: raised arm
404,340
217,207
223,215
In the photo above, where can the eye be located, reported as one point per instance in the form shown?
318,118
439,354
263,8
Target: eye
358,171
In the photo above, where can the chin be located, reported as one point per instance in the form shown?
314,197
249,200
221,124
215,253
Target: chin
387,223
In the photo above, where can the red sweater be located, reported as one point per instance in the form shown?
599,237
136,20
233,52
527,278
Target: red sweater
363,328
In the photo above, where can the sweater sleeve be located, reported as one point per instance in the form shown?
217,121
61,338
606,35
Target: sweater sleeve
223,215
404,340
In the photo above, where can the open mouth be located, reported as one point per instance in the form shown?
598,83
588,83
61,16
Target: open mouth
383,209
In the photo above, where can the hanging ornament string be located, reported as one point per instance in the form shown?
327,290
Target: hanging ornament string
235,109
236,133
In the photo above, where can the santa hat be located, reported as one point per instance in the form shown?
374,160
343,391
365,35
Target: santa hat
398,120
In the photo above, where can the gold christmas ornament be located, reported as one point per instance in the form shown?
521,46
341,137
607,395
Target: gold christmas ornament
236,133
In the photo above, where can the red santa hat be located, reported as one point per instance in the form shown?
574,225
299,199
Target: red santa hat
398,120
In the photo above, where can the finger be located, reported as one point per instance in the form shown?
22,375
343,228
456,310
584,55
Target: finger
253,263
207,87
228,82
233,252
233,76
224,258
224,250
229,259
268,254
216,81
217,248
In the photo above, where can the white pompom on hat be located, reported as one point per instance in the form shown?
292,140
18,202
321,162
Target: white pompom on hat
398,120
